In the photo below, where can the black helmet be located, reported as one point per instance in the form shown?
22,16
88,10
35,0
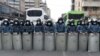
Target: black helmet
98,22
83,23
39,22
71,22
60,20
79,22
22,23
94,22
16,22
49,23
5,22
27,23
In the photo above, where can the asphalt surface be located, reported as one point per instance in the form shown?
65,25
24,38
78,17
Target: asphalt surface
46,53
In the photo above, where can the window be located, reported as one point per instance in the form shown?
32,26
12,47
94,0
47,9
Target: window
73,7
76,16
14,0
85,8
34,13
95,8
78,4
73,1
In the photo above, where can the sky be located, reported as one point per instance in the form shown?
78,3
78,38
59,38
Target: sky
58,7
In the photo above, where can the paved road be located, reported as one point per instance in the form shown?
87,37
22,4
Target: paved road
44,53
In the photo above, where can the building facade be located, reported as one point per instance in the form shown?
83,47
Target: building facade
24,4
9,12
90,7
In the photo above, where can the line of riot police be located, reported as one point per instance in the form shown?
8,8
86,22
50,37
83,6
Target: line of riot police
24,35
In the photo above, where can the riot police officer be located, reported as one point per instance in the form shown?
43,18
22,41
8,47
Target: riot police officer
71,26
83,35
17,43
21,26
61,35
7,36
49,36
93,37
27,35
38,35
72,37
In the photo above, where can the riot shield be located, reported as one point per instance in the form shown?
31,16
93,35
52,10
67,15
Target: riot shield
72,41
93,45
17,41
49,41
7,41
61,41
0,41
38,41
83,41
27,41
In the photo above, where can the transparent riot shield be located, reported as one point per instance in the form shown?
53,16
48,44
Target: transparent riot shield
7,41
61,41
93,45
27,41
72,41
83,41
38,41
49,41
0,41
17,42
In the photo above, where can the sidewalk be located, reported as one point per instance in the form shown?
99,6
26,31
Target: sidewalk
44,53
